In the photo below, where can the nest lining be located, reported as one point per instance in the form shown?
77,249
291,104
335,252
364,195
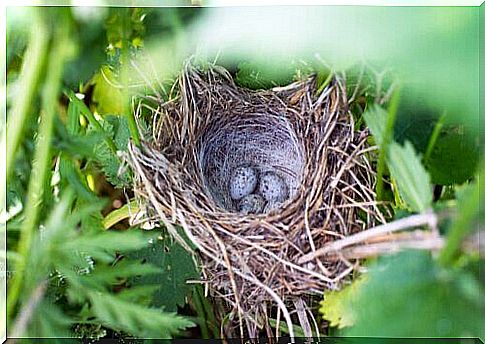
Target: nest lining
263,140
308,138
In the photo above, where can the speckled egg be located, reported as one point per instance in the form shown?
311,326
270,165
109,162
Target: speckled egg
252,204
273,188
243,182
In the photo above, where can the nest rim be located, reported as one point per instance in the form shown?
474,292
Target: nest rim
296,228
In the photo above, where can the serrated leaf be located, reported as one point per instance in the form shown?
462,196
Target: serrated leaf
408,295
143,322
109,275
110,163
412,179
336,306
376,118
177,266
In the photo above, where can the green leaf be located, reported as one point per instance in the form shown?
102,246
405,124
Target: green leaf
121,315
408,295
382,126
453,160
120,214
108,274
48,320
177,266
107,92
376,118
72,177
298,330
104,245
336,306
412,179
140,294
110,163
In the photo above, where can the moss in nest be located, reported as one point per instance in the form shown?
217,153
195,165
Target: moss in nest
304,137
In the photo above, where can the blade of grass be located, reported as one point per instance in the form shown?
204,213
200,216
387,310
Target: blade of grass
299,333
325,83
60,52
30,74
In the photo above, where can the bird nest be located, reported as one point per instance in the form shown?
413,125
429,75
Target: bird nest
303,135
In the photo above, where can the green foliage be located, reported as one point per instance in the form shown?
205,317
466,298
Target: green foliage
253,76
467,220
140,321
176,268
125,26
415,120
454,158
85,262
107,92
337,306
376,118
206,318
437,302
117,129
76,276
411,177
72,274
403,162
298,330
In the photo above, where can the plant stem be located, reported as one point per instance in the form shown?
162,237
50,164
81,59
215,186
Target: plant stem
387,138
32,68
434,136
201,316
125,78
463,224
120,214
58,55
